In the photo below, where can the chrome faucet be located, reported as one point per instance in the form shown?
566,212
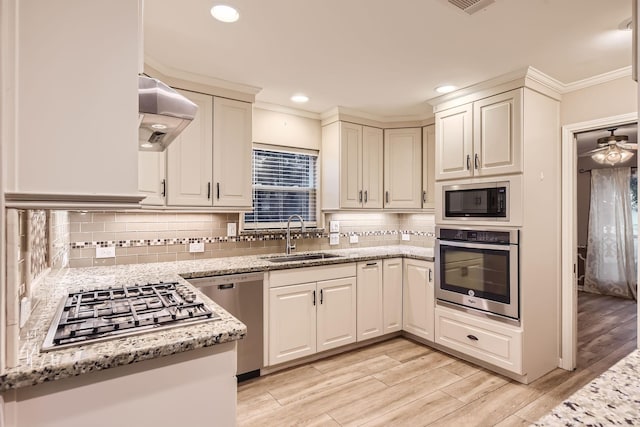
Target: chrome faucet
290,247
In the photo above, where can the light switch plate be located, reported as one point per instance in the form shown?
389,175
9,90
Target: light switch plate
334,239
109,252
406,237
196,247
231,229
334,226
353,238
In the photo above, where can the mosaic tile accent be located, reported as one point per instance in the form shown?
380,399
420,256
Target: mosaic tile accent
37,243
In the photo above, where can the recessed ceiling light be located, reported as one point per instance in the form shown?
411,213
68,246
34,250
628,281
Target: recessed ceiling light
445,88
626,25
224,13
300,98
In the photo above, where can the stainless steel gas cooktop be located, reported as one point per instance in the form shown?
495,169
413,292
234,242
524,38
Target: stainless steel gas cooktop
97,315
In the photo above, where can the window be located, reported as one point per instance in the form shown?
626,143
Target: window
284,183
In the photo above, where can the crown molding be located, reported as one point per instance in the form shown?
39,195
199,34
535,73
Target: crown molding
180,75
596,80
383,122
286,110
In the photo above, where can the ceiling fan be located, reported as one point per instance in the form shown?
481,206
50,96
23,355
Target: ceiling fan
612,149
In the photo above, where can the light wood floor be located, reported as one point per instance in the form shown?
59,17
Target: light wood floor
403,383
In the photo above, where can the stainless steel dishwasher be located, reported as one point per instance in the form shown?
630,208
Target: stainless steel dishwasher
240,295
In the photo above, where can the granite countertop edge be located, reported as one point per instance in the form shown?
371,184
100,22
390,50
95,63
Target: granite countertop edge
35,367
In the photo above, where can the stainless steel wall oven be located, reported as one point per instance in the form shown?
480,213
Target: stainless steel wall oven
479,269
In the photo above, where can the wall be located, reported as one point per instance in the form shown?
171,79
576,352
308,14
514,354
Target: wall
603,100
288,129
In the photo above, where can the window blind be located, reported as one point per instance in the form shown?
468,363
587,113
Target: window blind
284,184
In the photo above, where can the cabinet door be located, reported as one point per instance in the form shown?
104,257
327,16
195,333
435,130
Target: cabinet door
402,168
498,134
350,165
292,322
152,177
453,142
189,158
428,166
418,294
392,295
231,153
336,325
372,167
369,297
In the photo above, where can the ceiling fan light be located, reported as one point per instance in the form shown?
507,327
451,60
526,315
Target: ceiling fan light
599,157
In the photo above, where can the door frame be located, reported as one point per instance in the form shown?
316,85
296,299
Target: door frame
569,289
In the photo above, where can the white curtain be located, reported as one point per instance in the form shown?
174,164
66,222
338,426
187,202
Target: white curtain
610,267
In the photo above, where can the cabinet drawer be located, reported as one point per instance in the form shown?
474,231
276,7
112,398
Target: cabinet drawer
487,340
295,276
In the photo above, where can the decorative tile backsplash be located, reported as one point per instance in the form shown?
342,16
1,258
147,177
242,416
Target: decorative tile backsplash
157,237
37,244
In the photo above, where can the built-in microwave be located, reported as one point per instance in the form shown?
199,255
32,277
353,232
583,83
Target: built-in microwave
484,201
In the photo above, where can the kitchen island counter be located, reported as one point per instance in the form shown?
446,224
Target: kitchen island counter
36,367
611,399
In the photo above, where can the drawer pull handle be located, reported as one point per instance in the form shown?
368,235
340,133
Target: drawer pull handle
472,337
371,264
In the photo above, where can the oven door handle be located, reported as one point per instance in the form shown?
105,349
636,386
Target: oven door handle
481,246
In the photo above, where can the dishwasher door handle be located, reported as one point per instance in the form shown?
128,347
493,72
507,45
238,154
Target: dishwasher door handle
227,286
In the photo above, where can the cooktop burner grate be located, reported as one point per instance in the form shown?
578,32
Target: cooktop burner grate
90,316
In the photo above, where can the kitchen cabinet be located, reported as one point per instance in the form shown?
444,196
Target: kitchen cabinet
71,98
428,166
308,317
392,295
370,300
352,166
418,298
403,168
482,138
152,177
209,163
491,341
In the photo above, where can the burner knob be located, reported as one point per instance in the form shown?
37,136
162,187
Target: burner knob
137,323
190,297
116,326
174,316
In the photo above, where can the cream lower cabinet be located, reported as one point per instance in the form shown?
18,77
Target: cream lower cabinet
403,168
488,340
305,318
418,298
370,300
392,295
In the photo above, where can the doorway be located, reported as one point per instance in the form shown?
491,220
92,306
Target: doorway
577,139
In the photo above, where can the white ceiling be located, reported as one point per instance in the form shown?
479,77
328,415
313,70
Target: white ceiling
383,57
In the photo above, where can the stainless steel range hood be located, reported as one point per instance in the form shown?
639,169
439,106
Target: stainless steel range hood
164,113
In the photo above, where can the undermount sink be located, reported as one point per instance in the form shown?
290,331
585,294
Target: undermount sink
300,257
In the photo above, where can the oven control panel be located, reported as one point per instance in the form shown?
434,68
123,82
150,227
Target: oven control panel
481,236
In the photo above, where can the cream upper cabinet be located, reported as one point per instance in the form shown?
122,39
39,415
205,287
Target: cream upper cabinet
453,142
497,134
209,163
370,299
418,298
152,178
481,138
392,295
292,322
352,166
189,158
428,166
231,153
403,168
336,313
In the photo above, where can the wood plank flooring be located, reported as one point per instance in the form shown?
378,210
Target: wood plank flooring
402,383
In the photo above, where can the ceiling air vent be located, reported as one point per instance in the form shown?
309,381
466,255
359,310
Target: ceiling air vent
471,6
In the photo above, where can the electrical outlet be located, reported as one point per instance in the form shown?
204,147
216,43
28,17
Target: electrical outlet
196,247
231,229
108,252
353,238
334,226
334,239
406,237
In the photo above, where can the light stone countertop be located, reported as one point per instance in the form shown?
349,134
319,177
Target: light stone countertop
611,399
35,367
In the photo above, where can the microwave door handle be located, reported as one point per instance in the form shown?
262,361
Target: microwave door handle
445,243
